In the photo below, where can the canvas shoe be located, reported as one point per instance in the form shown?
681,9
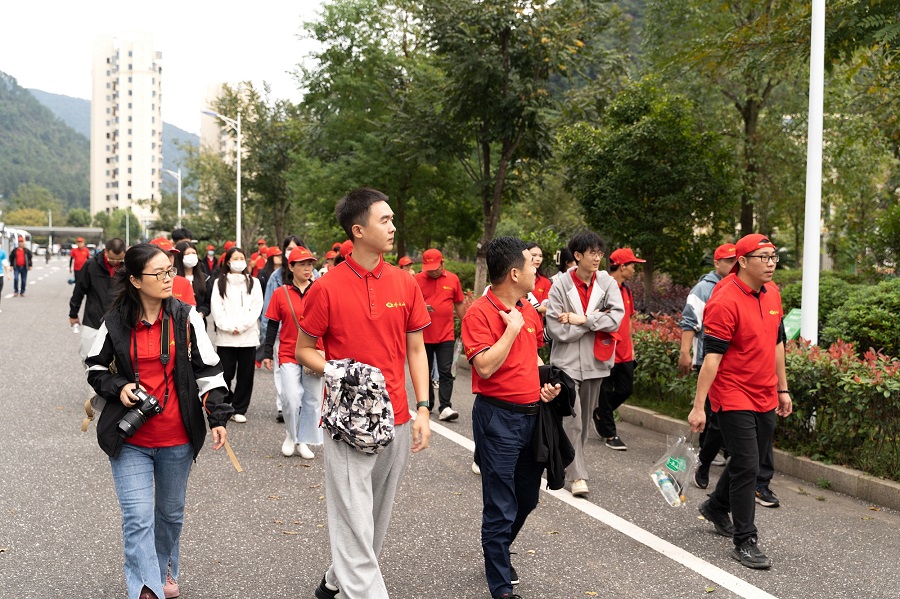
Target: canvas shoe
448,414
579,488
304,451
476,469
287,447
700,479
616,443
239,418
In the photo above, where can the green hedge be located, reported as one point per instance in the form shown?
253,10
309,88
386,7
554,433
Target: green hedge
846,408
869,318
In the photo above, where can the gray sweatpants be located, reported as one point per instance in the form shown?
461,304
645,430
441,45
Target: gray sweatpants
359,495
579,428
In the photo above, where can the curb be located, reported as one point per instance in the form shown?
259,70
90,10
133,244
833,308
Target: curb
843,480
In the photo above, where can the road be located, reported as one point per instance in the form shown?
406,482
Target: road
262,533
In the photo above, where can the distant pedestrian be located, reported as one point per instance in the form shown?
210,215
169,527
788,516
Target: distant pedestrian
273,263
20,260
501,335
237,302
619,385
182,234
406,263
209,262
542,283
159,345
187,265
4,269
744,376
443,299
330,255
583,312
360,488
94,289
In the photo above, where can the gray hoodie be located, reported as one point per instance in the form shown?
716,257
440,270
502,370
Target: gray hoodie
692,316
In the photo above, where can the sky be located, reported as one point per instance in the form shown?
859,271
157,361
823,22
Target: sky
48,45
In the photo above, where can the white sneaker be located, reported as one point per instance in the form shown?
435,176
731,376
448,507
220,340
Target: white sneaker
287,448
579,488
304,451
448,414
476,469
239,418
719,460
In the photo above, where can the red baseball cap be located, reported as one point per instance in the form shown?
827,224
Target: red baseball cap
79,240
404,261
300,254
331,254
261,241
624,256
336,246
749,244
726,250
432,259
163,244
21,238
210,247
346,248
273,251
228,245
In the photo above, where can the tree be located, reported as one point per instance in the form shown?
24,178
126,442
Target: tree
26,217
78,217
498,57
114,224
652,179
40,198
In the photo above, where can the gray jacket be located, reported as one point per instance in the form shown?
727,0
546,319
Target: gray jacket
692,316
573,345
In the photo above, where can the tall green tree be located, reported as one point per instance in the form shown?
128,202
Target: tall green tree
78,217
651,178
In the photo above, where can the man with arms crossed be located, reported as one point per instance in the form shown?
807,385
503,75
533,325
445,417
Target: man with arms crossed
374,313
744,376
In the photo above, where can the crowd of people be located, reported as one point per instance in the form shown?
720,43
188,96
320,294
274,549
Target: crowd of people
150,360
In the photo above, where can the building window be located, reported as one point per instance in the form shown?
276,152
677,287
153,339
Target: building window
129,118
129,172
129,144
107,186
107,108
129,79
129,196
107,87
153,146
129,158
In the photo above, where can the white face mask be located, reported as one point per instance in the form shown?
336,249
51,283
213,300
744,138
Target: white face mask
211,253
237,265
190,260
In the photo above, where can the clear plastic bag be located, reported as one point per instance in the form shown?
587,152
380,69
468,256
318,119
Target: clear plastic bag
671,472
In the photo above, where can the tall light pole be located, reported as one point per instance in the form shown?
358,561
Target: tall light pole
177,178
236,125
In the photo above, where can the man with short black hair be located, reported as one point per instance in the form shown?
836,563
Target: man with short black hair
372,312
501,343
182,234
94,287
744,376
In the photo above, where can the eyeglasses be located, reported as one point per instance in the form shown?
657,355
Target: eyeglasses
764,258
160,276
592,254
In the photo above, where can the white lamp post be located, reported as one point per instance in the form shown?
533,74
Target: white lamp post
177,178
236,125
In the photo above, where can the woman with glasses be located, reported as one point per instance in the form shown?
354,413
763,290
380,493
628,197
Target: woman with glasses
155,366
237,302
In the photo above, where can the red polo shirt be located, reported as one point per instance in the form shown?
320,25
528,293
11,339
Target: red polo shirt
517,380
442,294
183,290
542,288
584,289
624,344
79,257
366,315
280,310
748,321
165,429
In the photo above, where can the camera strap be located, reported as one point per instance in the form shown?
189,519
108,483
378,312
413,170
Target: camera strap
164,355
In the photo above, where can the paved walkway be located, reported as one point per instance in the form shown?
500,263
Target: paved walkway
262,533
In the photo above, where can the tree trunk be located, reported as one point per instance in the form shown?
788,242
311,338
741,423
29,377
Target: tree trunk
491,201
647,270
750,115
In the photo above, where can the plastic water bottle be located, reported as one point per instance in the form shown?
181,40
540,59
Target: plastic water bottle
667,488
76,328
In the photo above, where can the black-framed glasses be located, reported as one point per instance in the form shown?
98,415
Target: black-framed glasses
764,258
161,276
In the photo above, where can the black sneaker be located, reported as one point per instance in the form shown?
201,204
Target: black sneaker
508,596
323,592
513,575
598,427
616,443
765,497
720,520
749,555
700,479
280,417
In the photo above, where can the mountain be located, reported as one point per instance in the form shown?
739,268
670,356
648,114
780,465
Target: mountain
38,148
76,112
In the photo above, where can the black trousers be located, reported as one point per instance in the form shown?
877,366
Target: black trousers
614,390
238,360
710,439
748,437
443,352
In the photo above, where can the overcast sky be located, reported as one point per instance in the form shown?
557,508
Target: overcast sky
48,45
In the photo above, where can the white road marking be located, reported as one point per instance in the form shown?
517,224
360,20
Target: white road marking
713,573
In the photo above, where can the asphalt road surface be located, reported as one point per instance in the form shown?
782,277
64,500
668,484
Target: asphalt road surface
262,533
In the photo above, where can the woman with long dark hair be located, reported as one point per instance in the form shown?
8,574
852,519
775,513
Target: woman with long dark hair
237,302
542,284
187,265
155,366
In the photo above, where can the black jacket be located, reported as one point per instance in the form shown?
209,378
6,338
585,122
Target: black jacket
12,257
550,443
95,284
197,372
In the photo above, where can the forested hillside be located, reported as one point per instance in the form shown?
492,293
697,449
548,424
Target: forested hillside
38,148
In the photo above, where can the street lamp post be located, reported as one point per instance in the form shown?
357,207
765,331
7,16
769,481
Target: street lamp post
236,125
177,178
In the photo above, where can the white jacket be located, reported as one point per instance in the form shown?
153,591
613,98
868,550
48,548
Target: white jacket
237,310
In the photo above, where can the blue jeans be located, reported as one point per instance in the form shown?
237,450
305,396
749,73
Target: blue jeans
301,399
20,277
151,484
510,484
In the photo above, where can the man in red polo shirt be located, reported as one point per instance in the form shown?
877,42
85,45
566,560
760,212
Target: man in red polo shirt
78,256
501,343
374,313
744,376
443,297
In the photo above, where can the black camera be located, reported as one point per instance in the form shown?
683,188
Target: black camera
136,417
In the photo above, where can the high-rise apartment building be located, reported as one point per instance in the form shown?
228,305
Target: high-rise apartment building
126,125
215,135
